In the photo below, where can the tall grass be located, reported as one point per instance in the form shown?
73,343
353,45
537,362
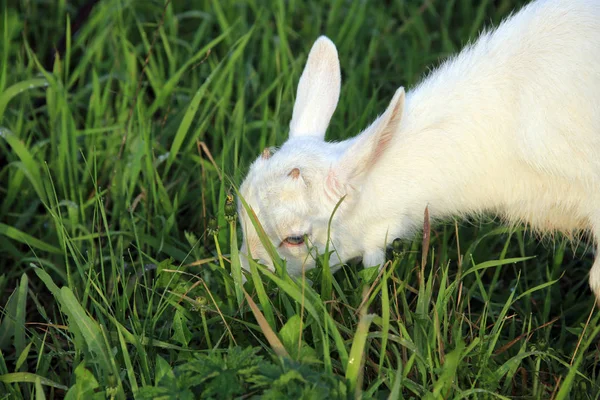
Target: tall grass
117,157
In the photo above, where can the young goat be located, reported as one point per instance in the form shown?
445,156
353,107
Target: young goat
510,126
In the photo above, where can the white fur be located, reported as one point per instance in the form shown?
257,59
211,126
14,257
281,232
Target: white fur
511,125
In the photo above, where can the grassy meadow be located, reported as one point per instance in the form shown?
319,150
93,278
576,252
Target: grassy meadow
124,126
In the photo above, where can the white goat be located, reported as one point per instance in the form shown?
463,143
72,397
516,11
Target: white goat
509,126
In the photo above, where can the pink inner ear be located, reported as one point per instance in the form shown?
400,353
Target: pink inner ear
386,136
365,151
334,190
390,128
382,144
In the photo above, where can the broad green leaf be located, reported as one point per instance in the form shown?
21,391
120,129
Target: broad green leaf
86,386
181,332
291,333
82,325
448,376
164,372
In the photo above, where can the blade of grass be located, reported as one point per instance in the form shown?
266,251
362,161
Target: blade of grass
326,277
28,377
354,368
271,336
7,95
19,335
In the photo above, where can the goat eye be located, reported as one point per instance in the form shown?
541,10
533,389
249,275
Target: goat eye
294,240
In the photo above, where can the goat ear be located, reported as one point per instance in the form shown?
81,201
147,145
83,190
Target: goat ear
366,148
318,91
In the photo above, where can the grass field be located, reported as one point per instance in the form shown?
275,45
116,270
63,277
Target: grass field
116,159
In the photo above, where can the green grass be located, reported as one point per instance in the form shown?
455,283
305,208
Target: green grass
116,156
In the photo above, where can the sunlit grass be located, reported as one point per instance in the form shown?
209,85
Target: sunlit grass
120,274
